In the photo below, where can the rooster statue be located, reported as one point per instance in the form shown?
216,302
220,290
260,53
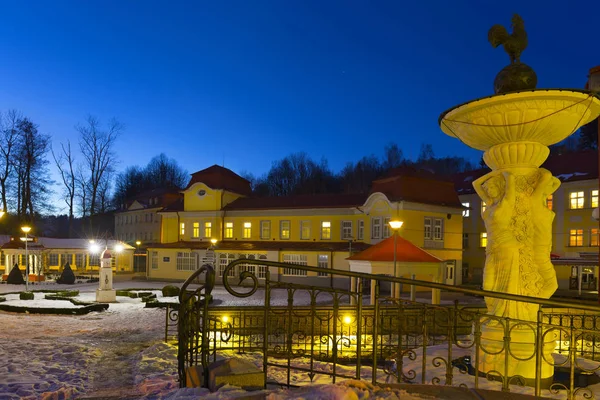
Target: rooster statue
515,43
516,76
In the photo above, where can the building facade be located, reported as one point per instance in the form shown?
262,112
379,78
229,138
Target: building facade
575,231
316,230
50,255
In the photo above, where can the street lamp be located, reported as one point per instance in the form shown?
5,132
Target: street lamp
395,225
26,230
213,242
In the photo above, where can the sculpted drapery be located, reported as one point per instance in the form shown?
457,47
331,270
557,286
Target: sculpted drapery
519,241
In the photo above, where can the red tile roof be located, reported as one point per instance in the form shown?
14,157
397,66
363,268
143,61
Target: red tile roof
405,252
217,177
239,245
417,189
299,201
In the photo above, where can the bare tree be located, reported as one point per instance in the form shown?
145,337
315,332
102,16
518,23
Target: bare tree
9,135
82,192
32,172
97,147
65,163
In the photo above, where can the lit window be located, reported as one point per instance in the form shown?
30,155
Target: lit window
376,228
346,230
208,229
247,233
427,229
483,239
228,230
305,230
386,227
594,237
284,230
576,200
466,211
595,198
265,229
361,230
325,230
576,237
549,201
182,229
196,229
483,206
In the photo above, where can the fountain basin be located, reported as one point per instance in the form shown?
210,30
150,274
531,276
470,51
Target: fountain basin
544,116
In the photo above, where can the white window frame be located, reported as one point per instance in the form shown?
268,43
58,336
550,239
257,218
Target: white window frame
207,229
265,229
323,262
376,228
195,230
224,260
466,213
285,233
360,234
154,260
386,227
186,261
347,230
438,229
297,259
304,228
428,228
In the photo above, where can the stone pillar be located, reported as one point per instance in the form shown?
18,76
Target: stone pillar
105,293
352,290
373,283
413,289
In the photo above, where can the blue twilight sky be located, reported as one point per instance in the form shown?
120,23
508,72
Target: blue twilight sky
248,82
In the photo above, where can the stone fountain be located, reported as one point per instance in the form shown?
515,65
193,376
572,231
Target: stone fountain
514,128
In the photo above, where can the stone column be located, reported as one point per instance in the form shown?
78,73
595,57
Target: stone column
106,293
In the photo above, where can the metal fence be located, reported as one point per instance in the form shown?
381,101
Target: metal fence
337,336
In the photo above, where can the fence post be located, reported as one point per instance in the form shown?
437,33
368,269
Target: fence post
374,296
413,289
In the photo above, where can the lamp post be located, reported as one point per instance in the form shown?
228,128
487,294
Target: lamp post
26,230
593,85
136,263
395,225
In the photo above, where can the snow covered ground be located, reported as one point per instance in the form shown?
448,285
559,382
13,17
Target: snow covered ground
120,353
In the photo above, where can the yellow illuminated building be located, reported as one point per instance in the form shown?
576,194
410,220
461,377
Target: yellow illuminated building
316,230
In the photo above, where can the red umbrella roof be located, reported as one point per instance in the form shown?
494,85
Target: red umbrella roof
405,252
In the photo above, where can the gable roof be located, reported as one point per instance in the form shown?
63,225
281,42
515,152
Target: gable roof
418,190
327,200
217,177
405,252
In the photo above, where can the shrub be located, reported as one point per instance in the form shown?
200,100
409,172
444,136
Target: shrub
67,276
170,291
133,295
123,293
68,293
26,295
15,277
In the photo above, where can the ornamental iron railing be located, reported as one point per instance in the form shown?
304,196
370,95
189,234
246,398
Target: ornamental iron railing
324,334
